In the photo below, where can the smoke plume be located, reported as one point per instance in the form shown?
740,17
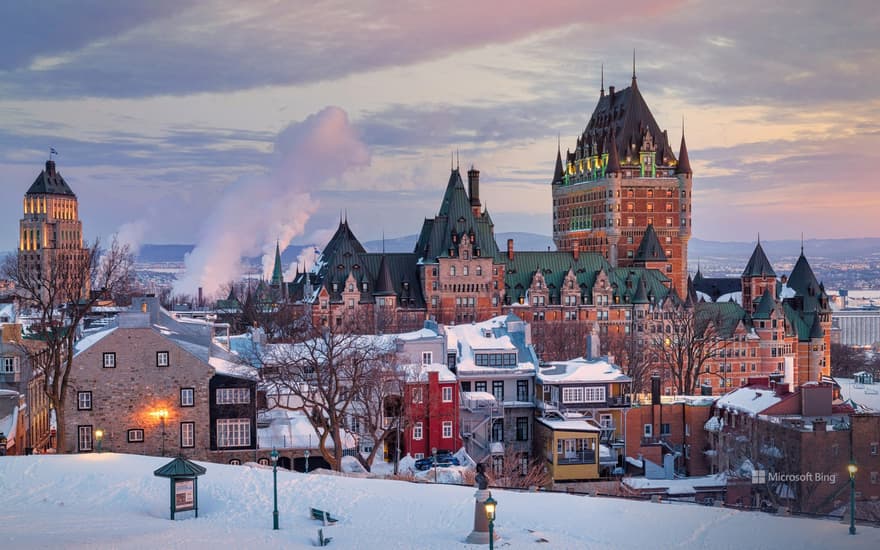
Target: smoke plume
255,211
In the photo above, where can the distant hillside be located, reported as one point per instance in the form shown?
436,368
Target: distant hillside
829,249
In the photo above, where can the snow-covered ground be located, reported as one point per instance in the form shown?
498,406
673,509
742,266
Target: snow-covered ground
114,501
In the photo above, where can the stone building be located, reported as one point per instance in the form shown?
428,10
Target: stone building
155,385
50,231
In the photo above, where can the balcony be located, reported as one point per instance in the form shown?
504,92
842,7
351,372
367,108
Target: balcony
580,457
619,401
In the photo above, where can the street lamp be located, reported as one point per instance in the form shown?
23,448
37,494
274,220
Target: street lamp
490,505
99,437
162,414
306,454
434,452
852,496
274,455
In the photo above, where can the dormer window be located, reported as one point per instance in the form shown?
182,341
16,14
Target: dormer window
364,287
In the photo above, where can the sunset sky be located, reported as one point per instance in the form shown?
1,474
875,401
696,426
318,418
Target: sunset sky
170,115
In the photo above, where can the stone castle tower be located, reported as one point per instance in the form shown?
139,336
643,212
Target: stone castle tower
622,178
50,231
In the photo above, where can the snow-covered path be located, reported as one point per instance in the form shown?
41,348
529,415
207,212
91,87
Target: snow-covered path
114,501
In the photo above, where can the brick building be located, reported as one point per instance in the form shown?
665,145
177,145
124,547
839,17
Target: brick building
156,385
432,411
622,178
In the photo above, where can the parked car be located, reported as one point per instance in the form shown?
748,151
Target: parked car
443,461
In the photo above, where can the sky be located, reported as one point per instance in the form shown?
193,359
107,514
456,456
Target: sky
162,111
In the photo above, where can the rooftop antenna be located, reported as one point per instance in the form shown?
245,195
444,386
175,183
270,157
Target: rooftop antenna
802,243
634,64
346,216
602,81
558,142
451,160
457,161
759,237
383,241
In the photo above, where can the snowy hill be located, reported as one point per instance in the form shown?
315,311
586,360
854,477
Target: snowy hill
114,501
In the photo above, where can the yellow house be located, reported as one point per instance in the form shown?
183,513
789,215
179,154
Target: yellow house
570,446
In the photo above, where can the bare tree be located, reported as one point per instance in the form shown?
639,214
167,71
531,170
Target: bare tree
560,340
847,360
632,352
321,376
689,336
380,409
516,470
59,297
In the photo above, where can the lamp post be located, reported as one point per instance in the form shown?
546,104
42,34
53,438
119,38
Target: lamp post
490,505
852,496
162,415
434,453
306,454
99,437
274,456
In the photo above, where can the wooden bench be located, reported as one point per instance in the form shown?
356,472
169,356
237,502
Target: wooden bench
323,516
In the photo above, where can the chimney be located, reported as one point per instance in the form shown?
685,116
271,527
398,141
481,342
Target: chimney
576,251
781,389
50,168
611,94
474,189
655,389
510,249
820,425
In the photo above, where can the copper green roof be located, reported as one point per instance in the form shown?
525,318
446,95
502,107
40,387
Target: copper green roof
519,271
725,316
650,249
765,306
758,264
180,467
455,222
277,273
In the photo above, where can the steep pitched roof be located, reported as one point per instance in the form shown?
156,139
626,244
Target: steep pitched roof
724,316
758,264
50,182
277,273
641,295
650,249
384,286
626,115
554,266
802,278
765,305
456,219
559,172
684,163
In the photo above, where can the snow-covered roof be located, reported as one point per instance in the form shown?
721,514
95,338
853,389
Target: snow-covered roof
866,396
417,334
749,400
492,335
714,424
292,430
228,367
7,312
90,340
731,296
569,424
419,373
683,486
581,370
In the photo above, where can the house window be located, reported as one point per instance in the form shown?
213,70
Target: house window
479,270
464,270
498,389
452,271
447,430
447,394
234,462
522,390
427,357
664,429
233,432
874,448
522,428
498,430
606,421
109,359
417,431
233,396
84,401
84,438
480,386
188,434
649,430
136,436
417,395
187,397
161,358
420,456
9,365
498,465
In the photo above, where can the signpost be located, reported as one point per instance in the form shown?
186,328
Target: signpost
183,475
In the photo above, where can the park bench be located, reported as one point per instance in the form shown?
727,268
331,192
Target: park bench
323,516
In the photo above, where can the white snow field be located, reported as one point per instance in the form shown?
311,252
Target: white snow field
114,501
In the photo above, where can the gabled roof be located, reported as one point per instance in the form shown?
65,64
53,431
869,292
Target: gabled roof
758,264
650,249
456,218
519,271
50,182
641,295
765,306
384,286
180,467
725,316
802,278
402,270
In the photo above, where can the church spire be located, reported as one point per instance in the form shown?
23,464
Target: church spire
277,273
602,81
558,172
